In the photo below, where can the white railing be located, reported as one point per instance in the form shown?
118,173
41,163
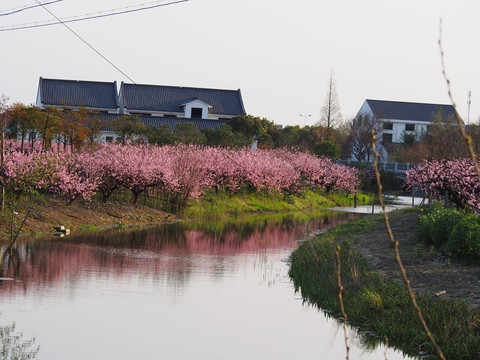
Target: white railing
395,167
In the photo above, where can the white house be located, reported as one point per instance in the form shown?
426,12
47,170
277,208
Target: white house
397,119
153,104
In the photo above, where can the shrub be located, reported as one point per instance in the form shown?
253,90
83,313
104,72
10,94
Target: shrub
437,223
464,239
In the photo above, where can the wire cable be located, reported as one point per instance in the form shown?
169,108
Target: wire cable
23,8
101,55
90,16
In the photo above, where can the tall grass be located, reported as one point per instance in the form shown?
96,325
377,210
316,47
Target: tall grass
379,306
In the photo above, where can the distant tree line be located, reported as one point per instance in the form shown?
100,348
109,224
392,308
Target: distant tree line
73,129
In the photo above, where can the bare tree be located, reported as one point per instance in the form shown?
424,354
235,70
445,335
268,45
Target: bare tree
360,138
330,112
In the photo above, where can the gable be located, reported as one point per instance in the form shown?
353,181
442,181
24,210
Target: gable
195,102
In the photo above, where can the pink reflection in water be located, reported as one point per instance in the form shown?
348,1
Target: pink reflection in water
151,252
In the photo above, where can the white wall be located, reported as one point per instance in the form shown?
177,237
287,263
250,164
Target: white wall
196,104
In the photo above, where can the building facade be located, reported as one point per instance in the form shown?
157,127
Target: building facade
155,105
397,120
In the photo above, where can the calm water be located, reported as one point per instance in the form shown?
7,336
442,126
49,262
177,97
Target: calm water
215,290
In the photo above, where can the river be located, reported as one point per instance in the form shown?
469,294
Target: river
209,290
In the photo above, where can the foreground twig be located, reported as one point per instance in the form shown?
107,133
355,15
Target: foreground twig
461,124
397,254
386,347
340,298
18,232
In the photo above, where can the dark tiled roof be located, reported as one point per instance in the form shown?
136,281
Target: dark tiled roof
169,98
74,93
157,121
408,110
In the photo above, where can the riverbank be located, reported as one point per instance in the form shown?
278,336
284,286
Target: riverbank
374,297
220,203
47,213
82,215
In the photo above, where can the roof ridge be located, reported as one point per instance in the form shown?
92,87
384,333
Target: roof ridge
408,102
180,87
81,81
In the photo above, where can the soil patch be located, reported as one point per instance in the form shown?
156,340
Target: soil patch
47,213
430,272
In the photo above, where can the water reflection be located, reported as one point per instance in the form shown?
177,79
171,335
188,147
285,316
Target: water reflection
160,250
14,346
182,291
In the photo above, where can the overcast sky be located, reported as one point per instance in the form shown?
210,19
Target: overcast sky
278,52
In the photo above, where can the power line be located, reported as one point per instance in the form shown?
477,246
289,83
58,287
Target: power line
97,15
26,7
101,55
84,41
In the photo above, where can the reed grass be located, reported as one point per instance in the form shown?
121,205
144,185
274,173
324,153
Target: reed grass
379,307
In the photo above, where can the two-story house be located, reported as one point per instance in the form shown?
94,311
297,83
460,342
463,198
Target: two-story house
155,105
396,120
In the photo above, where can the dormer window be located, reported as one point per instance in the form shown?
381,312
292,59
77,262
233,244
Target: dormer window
196,109
197,113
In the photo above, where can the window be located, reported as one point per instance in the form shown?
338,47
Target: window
409,127
197,113
387,138
387,126
108,139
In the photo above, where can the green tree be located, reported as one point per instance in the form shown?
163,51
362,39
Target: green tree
266,131
48,125
129,128
162,135
327,148
93,127
307,137
188,133
224,136
26,118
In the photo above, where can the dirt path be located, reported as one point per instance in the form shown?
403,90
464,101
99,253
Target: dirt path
428,270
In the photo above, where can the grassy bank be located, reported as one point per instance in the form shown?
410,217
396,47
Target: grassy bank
378,305
221,203
47,212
